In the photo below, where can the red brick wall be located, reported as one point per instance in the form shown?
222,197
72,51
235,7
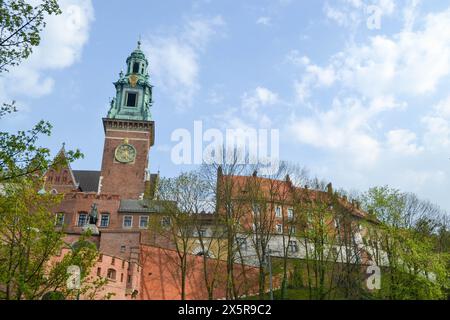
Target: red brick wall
161,276
125,179
111,242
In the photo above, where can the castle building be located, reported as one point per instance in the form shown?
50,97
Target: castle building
117,204
122,191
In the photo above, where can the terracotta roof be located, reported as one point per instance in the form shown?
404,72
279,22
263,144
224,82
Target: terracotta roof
270,187
87,180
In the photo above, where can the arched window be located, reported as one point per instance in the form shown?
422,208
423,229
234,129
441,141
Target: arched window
136,67
111,274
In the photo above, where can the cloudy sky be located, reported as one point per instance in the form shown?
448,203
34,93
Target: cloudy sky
359,89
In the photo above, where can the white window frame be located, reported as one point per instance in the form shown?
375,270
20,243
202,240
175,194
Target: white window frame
165,222
290,213
292,230
293,244
85,220
278,212
101,219
60,214
203,233
279,228
123,222
140,221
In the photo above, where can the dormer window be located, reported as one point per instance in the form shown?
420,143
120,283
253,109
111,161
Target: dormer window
136,67
131,99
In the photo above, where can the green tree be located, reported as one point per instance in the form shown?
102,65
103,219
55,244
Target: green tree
21,24
30,242
406,246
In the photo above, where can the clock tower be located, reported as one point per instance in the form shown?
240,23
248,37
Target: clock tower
129,132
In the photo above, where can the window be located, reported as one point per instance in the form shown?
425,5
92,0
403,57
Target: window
99,272
135,67
292,230
82,219
129,279
242,243
334,253
111,274
113,260
279,228
123,264
201,233
123,248
131,99
278,212
165,221
59,219
100,257
256,209
127,221
121,277
293,246
290,213
143,222
104,221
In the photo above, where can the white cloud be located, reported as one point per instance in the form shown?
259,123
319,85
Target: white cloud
403,142
264,21
437,126
352,13
62,43
174,59
344,129
407,63
370,78
253,102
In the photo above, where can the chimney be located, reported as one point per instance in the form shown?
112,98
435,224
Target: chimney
255,173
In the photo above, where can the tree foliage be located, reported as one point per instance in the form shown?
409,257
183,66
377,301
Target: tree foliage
30,242
406,242
21,24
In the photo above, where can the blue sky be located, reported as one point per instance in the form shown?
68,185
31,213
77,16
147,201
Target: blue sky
358,100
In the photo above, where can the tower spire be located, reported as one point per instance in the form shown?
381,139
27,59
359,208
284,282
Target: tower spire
133,89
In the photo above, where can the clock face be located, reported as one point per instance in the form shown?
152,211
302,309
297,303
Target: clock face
125,153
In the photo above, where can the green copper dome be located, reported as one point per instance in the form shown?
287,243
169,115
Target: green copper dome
137,54
133,90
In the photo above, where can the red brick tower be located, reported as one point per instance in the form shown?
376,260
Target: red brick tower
129,132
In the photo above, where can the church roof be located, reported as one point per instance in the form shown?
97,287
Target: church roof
88,180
